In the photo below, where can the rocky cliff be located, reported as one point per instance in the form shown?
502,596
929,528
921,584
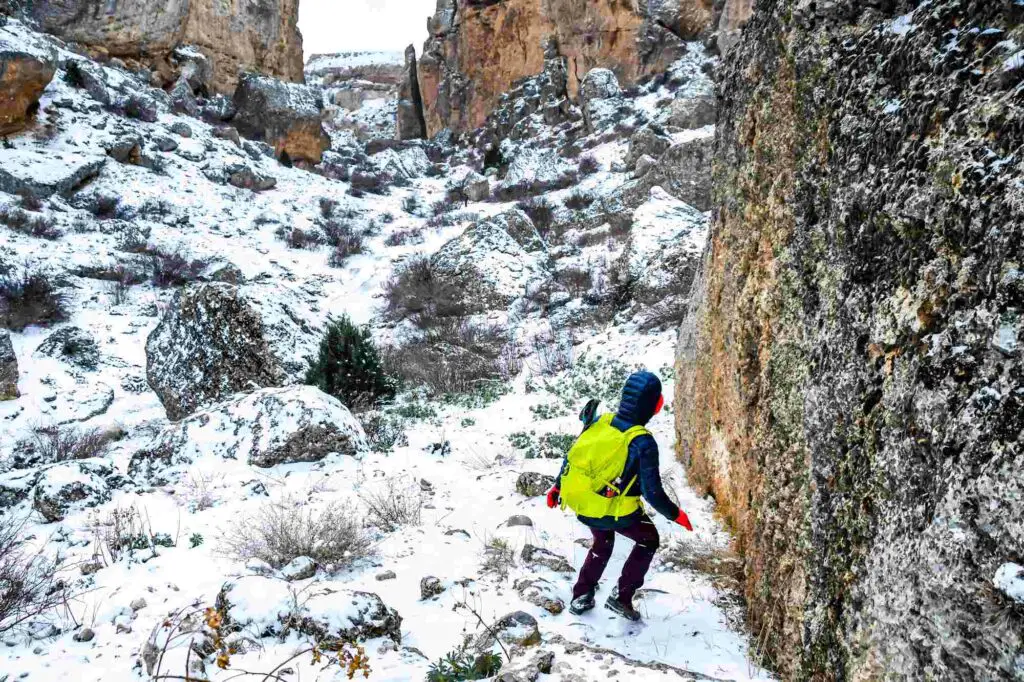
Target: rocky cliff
236,36
851,385
478,48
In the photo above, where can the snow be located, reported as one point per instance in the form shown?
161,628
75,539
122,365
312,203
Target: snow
902,25
1009,578
688,623
350,60
1014,61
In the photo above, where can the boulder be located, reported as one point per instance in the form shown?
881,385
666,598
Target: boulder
125,149
181,129
72,485
142,107
540,592
643,164
265,428
27,65
533,484
73,345
265,607
534,171
409,122
183,99
648,140
210,344
89,76
8,368
430,587
386,575
43,173
538,556
516,629
16,486
519,520
244,176
285,115
476,187
218,109
693,112
598,96
684,171
299,568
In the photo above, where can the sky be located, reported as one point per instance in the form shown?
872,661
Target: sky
343,25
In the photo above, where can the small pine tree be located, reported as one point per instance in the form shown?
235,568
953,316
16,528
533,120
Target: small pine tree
349,367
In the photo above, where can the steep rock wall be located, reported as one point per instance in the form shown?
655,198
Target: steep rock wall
478,48
851,386
237,35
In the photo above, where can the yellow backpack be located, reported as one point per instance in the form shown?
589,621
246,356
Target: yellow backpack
590,485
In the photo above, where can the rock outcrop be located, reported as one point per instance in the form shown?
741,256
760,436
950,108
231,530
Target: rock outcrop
27,66
409,123
209,345
264,428
8,368
849,380
235,37
287,116
477,50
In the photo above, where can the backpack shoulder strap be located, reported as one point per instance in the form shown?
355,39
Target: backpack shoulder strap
635,432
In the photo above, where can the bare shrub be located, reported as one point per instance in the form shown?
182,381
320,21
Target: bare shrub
454,357
588,165
577,281
282,531
418,291
174,269
552,351
199,491
124,532
394,504
499,558
105,207
327,207
368,180
51,444
30,584
30,298
412,235
30,202
577,201
20,220
297,238
346,245
540,212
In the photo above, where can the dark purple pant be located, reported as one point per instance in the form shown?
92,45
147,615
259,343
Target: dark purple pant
644,534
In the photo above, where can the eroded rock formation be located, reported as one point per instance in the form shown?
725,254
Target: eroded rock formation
850,376
409,123
260,36
478,48
27,66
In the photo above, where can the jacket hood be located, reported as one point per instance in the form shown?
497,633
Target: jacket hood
639,398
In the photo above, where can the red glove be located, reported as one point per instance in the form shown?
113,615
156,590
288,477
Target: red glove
684,521
553,498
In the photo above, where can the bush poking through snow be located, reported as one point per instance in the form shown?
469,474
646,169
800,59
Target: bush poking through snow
349,366
282,531
540,212
577,201
461,665
30,298
23,222
499,558
455,357
174,269
29,582
394,504
422,294
588,165
52,444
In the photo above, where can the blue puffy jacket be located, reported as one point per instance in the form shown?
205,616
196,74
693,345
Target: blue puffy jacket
639,399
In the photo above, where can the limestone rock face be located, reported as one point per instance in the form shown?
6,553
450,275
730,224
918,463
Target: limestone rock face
210,344
286,116
235,37
26,68
849,378
478,49
409,120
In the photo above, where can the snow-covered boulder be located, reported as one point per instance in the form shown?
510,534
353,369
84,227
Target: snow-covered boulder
299,568
599,98
72,485
73,345
16,486
285,115
408,163
516,629
693,112
8,368
648,140
683,170
265,428
533,171
27,65
486,254
265,607
209,345
538,556
540,592
476,186
534,484
42,173
241,175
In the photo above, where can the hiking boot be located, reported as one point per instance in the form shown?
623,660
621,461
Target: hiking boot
582,603
623,609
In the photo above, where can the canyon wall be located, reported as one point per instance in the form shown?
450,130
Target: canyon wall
851,388
237,35
478,48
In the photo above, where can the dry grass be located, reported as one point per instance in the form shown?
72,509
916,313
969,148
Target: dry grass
393,504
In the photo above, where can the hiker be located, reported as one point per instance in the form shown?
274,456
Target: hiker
612,463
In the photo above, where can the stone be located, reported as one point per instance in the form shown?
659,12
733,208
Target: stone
476,187
540,592
519,520
693,112
430,587
181,129
516,629
73,345
165,143
684,171
386,575
84,635
217,109
265,428
285,115
27,65
599,99
649,140
8,368
477,51
299,568
183,99
90,77
229,133
533,484
259,567
409,122
138,604
142,107
538,556
180,37
211,343
841,400
244,176
43,173
72,485
644,164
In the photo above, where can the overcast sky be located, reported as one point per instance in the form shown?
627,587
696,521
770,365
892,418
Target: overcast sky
342,25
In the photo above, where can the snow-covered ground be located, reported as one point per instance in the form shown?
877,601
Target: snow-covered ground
461,460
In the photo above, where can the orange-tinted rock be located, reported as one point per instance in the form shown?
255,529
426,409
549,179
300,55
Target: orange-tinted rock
26,68
286,116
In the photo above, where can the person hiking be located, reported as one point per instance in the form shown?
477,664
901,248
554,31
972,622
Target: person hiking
612,463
